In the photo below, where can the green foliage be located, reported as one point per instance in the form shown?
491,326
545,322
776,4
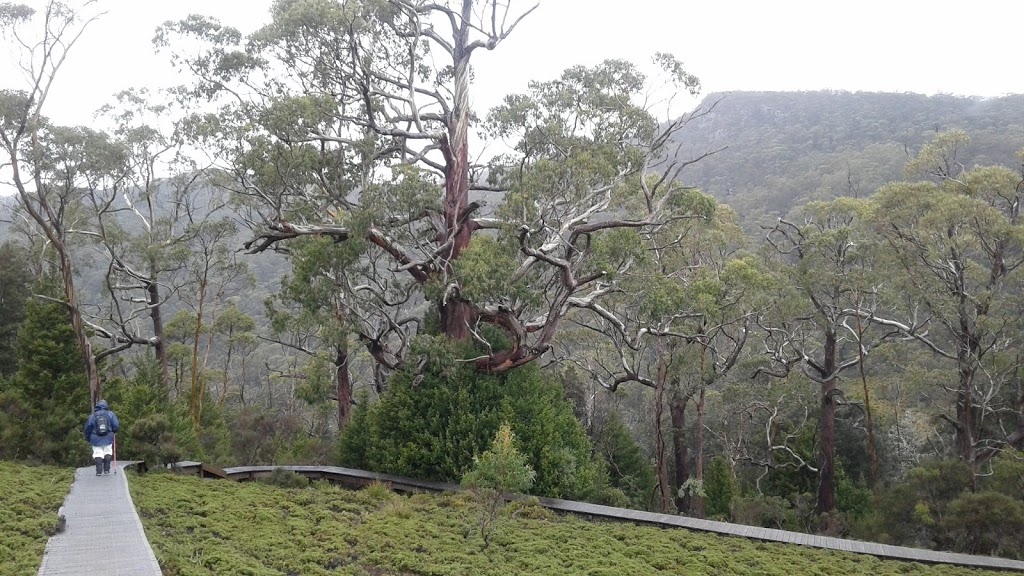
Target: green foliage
500,470
852,497
933,509
15,288
153,428
29,499
198,528
43,406
910,513
282,478
628,469
614,249
719,488
985,523
766,512
431,424
265,436
212,433
788,478
354,439
1008,474
485,270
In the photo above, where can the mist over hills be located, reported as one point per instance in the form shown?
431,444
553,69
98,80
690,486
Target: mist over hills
784,149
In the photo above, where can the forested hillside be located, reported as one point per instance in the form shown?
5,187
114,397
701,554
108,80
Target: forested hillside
288,259
784,149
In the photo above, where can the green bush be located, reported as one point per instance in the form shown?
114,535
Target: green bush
629,471
43,406
430,425
719,489
152,427
985,523
1007,474
355,438
766,512
853,498
284,479
497,471
910,513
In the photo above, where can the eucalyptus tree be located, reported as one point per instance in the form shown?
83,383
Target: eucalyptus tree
46,183
831,319
143,225
351,120
236,338
314,312
958,244
213,273
676,323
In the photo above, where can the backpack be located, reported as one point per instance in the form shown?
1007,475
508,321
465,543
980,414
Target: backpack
102,426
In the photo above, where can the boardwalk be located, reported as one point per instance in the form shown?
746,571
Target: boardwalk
103,534
358,478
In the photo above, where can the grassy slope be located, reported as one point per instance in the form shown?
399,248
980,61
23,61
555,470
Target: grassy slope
29,499
217,527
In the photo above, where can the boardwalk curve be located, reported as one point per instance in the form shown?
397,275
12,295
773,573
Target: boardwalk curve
102,533
358,478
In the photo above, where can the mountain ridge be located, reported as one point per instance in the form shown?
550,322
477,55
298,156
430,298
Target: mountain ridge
783,149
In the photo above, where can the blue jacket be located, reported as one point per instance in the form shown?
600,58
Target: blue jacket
90,426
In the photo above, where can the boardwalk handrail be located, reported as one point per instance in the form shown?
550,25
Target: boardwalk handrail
359,478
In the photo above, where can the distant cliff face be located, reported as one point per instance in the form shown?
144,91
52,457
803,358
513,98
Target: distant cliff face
787,148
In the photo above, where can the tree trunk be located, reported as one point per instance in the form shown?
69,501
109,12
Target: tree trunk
49,224
678,411
457,315
698,466
965,414
344,391
867,402
826,445
227,372
663,486
160,347
91,371
195,402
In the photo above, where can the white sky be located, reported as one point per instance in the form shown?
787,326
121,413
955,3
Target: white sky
925,46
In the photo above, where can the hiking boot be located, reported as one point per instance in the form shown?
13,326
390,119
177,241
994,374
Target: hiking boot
99,466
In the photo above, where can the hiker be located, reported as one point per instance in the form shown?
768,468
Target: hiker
99,431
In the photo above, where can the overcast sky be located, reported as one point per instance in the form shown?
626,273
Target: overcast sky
925,46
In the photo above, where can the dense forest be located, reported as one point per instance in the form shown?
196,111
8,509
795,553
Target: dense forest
781,150
793,310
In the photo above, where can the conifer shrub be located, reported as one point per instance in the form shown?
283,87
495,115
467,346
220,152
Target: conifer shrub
46,401
153,428
354,439
433,420
719,489
498,471
629,471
